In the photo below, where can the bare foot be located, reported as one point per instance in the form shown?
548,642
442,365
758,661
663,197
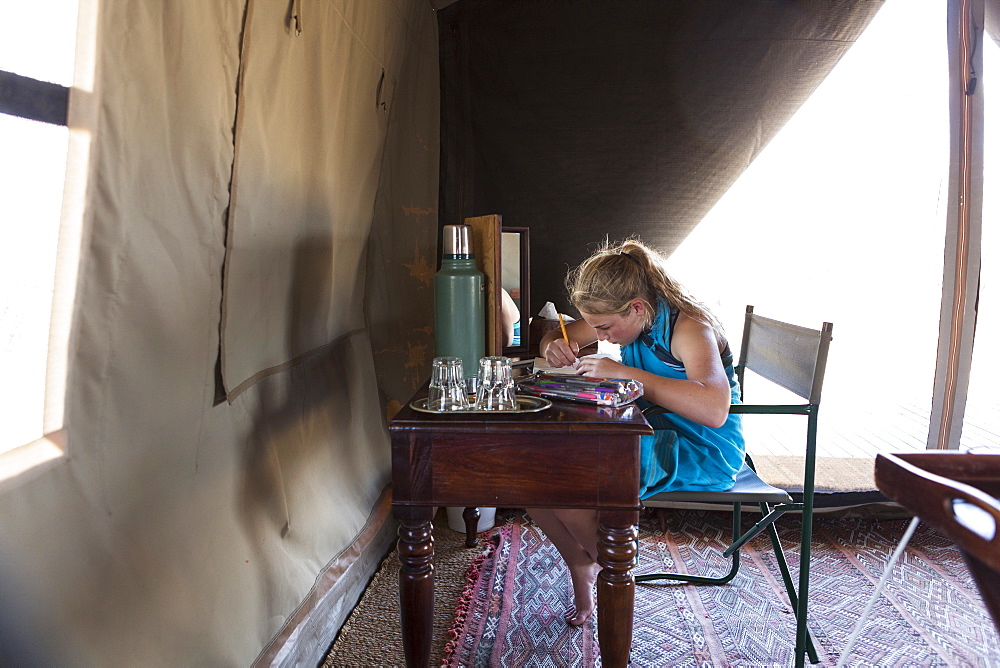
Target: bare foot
584,580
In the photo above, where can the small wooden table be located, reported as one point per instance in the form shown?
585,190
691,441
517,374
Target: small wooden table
567,456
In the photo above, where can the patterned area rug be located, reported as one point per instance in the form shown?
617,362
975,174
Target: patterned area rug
930,613
511,615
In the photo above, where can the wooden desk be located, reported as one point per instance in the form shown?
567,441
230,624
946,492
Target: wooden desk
568,456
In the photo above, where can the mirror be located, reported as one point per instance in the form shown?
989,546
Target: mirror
514,280
502,255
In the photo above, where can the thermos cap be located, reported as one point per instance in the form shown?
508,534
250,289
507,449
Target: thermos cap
456,240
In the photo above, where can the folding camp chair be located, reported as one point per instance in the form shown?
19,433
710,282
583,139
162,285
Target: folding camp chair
794,358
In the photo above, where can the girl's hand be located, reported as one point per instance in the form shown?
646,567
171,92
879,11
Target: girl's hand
602,367
558,353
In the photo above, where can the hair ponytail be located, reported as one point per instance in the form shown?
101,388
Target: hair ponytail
608,281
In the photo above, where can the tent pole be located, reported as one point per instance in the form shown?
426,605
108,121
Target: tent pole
964,227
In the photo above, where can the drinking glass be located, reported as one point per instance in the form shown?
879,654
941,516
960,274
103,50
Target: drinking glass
496,385
447,388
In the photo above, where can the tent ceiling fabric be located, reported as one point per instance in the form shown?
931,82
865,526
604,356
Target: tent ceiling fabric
586,118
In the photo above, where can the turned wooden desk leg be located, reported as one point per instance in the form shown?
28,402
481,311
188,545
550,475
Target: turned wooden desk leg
471,517
416,584
616,586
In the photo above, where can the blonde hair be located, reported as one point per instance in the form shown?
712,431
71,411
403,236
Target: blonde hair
616,274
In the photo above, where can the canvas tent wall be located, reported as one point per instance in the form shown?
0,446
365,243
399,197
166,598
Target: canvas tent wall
253,293
259,237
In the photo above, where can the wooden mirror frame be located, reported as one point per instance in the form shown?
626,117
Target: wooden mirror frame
487,243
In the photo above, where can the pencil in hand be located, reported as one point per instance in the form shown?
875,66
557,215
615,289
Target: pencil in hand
562,325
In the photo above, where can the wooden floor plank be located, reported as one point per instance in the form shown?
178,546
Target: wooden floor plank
843,433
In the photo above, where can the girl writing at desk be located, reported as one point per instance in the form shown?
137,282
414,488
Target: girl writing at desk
675,347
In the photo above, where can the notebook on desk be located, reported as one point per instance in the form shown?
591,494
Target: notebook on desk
542,366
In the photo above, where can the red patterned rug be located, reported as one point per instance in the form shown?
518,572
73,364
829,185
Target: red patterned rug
930,613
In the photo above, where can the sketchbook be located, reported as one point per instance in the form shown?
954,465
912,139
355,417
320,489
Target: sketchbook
542,366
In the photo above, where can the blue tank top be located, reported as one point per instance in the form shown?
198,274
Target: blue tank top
683,454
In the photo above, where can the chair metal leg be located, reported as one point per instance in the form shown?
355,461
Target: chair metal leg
734,562
793,598
769,517
733,552
803,637
802,633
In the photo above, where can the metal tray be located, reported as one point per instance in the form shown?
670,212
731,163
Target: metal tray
526,403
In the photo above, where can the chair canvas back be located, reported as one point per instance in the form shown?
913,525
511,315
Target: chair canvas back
794,357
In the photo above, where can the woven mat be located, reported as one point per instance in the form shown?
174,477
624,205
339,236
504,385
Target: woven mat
833,474
371,635
930,612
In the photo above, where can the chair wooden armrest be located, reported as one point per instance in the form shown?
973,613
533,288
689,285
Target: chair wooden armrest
930,484
956,494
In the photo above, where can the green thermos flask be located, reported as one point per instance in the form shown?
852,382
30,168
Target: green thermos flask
459,317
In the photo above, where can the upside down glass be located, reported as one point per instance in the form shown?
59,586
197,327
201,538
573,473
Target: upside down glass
496,385
447,388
